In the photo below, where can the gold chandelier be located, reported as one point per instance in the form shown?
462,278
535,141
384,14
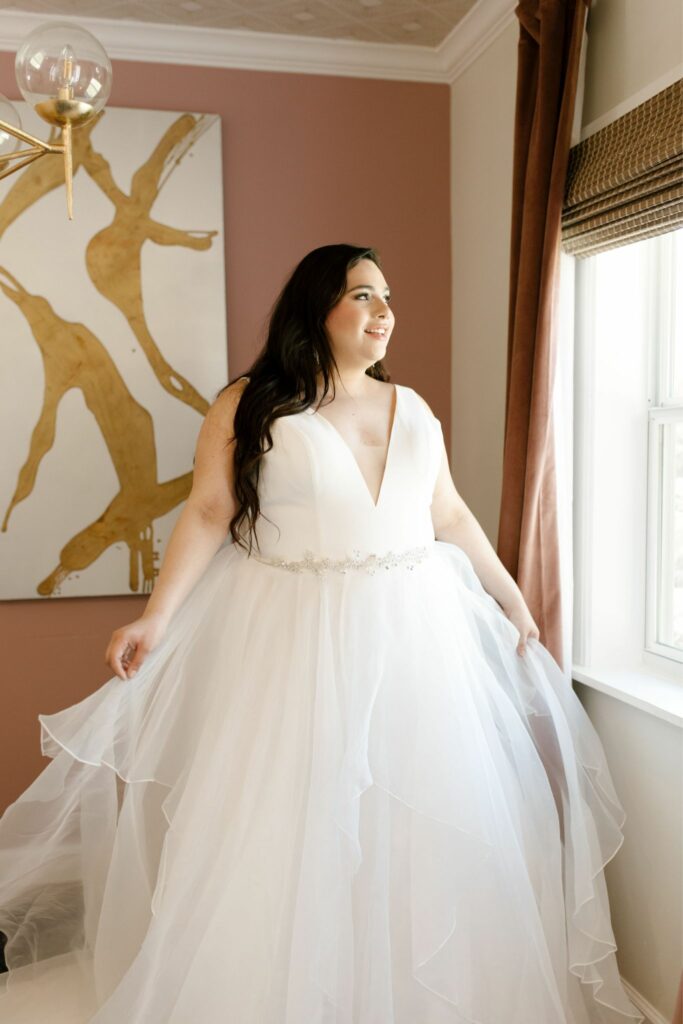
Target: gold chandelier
65,74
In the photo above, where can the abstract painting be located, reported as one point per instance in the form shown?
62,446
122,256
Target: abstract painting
112,345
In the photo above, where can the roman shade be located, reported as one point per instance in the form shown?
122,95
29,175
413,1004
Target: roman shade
625,182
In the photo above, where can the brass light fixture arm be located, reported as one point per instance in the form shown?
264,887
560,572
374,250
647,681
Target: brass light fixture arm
23,136
35,149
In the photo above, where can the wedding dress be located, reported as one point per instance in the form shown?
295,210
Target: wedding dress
334,794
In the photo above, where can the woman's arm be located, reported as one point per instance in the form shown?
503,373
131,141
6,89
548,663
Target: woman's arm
455,523
198,533
202,525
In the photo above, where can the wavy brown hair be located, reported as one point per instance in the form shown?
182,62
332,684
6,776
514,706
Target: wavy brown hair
283,376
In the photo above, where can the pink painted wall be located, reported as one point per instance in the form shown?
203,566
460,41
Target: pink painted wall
308,160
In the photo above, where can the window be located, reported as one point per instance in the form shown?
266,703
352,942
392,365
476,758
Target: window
628,457
664,599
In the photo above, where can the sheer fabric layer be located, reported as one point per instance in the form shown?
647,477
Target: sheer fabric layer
337,800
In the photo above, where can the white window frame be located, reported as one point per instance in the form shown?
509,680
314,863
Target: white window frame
612,510
664,409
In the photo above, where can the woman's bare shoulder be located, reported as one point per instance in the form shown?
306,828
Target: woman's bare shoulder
224,406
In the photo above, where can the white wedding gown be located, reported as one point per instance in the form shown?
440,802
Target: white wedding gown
334,794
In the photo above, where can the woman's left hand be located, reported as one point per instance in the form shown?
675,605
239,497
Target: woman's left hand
520,616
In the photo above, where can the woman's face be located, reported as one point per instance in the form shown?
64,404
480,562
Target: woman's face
360,324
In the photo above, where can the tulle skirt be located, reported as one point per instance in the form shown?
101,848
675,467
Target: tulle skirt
339,799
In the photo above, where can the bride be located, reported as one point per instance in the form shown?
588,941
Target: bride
335,777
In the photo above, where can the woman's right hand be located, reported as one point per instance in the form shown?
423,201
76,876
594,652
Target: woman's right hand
130,645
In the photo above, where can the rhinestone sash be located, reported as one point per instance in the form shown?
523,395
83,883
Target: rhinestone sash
370,563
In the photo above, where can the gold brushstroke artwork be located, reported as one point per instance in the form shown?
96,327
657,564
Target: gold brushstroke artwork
74,357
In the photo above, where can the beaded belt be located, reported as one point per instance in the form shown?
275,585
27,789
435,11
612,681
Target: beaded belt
370,563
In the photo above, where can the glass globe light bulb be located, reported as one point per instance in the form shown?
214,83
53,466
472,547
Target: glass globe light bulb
8,114
64,73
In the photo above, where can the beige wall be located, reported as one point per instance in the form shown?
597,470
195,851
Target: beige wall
482,120
644,879
632,44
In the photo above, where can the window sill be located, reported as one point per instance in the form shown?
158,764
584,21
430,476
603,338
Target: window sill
647,691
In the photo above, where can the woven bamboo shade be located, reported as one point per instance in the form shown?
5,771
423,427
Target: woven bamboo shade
625,182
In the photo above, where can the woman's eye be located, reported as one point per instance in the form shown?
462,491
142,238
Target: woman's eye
387,298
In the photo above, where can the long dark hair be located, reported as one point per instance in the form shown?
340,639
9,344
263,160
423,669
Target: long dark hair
283,376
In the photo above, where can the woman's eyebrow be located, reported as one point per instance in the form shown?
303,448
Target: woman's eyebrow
372,289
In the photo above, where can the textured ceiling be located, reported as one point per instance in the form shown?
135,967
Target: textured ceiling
415,22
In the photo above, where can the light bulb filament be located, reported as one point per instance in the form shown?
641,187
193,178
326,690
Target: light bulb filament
65,74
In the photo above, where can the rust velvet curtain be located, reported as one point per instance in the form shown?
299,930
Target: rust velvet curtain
549,53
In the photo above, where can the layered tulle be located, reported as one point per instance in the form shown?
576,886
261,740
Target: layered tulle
338,800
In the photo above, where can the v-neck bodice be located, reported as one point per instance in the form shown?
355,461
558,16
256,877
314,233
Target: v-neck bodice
314,496
387,456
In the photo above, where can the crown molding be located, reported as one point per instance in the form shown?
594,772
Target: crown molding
482,24
269,51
